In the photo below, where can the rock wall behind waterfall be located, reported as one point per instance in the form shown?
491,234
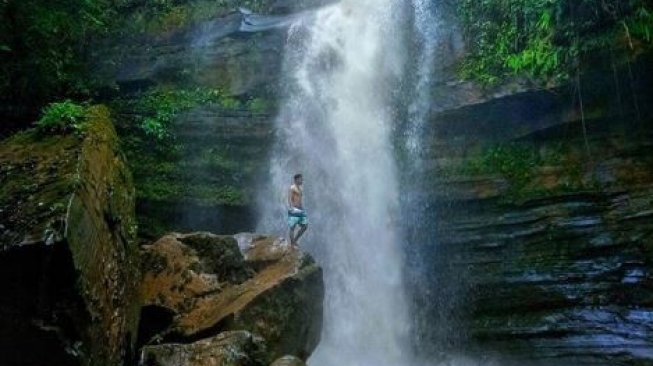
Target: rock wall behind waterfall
209,180
538,242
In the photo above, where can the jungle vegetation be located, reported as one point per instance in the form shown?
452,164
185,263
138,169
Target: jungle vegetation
45,46
550,40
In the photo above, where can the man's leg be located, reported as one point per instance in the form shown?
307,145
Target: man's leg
292,235
302,228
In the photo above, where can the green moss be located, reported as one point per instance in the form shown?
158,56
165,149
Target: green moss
152,114
154,111
155,18
259,105
204,194
36,177
228,195
531,172
78,193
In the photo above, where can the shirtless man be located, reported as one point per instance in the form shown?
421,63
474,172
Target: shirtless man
296,214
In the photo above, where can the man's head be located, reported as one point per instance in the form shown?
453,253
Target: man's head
298,179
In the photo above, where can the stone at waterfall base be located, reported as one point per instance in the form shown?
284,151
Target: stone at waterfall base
200,285
239,348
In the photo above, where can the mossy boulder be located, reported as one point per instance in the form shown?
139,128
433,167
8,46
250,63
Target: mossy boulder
199,285
69,263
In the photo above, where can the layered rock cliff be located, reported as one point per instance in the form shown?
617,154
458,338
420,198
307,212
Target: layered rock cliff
537,235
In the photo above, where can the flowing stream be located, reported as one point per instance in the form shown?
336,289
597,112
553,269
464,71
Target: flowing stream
344,64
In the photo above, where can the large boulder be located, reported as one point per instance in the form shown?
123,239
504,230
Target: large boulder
68,259
198,285
239,348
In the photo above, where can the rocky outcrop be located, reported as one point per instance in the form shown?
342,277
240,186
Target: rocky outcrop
239,348
68,258
199,285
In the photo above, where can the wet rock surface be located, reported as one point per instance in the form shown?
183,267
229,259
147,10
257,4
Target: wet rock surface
238,348
210,53
68,257
557,272
199,285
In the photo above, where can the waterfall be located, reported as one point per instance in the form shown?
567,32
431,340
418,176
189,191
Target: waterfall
343,64
426,27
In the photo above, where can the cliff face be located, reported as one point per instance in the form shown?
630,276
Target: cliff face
539,235
68,256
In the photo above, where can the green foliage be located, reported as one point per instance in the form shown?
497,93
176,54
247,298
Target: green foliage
166,15
62,117
229,103
156,110
163,16
522,164
514,162
639,26
258,105
546,39
43,47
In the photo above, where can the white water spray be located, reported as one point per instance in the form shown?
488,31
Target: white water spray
426,27
335,128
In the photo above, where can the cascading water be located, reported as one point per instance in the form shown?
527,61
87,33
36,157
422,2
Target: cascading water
343,62
426,28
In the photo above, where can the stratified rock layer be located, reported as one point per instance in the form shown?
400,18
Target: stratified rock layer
201,285
540,243
68,260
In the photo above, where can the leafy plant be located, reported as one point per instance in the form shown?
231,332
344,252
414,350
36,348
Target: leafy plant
44,44
545,40
156,110
62,117
258,105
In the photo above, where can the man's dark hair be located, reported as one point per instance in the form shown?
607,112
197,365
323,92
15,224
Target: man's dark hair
297,176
